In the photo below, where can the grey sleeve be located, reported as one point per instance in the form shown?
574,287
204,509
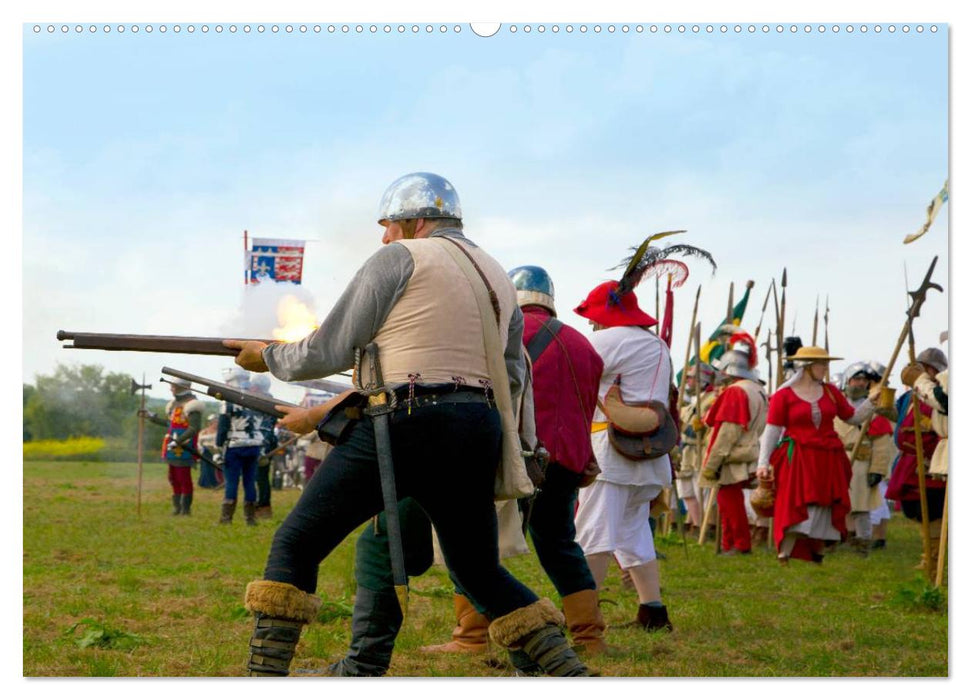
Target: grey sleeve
515,360
353,322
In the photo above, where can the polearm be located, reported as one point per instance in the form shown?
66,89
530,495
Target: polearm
816,320
768,356
917,300
925,525
826,333
765,305
687,350
780,329
942,546
681,386
731,303
918,297
713,491
141,434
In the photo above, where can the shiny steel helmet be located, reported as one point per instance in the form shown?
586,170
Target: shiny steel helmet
419,196
857,369
737,363
237,377
933,357
260,381
533,286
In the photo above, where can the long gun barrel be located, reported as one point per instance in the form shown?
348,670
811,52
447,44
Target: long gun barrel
186,345
240,397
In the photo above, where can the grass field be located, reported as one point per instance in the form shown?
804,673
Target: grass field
110,593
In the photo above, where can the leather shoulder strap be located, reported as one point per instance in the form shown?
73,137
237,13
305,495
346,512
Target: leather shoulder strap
542,338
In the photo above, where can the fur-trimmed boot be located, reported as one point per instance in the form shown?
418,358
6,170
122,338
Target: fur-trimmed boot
584,621
226,515
249,512
176,504
535,629
653,618
186,504
471,633
281,611
374,628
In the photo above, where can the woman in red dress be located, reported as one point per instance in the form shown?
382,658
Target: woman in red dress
812,471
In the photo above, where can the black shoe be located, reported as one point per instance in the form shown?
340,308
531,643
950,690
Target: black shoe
879,544
653,618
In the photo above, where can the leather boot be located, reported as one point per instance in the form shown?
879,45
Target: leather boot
653,618
264,512
281,611
186,503
374,627
176,504
471,633
584,621
249,512
226,516
535,629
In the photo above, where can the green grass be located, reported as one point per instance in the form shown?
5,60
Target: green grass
156,595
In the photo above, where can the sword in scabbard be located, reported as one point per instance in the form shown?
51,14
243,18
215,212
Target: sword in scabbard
379,409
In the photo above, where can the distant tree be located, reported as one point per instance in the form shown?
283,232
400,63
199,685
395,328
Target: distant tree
79,400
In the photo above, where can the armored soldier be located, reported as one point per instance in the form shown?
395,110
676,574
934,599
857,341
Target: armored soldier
240,435
184,413
872,462
736,419
260,384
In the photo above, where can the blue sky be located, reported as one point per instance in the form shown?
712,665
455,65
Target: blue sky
146,156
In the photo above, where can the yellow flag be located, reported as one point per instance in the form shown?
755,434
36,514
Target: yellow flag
932,209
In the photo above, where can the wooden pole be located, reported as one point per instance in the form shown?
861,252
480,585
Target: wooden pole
709,509
765,304
780,329
141,434
687,352
925,532
942,546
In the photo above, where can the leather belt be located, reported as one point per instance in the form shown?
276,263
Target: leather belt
461,396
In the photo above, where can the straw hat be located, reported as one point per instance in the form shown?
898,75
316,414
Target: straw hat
811,353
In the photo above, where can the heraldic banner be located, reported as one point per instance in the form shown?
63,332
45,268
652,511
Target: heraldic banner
275,259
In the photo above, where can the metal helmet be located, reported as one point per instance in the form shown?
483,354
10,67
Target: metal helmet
419,196
736,363
933,357
237,377
877,369
705,371
180,382
533,286
260,381
857,369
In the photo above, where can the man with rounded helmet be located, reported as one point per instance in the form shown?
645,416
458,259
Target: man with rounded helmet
872,462
238,434
736,420
260,384
413,300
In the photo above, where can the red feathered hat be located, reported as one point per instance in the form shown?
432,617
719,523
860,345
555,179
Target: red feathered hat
605,306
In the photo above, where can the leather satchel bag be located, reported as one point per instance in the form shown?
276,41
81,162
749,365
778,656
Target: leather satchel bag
639,431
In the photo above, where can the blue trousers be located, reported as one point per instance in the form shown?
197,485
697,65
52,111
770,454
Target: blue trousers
445,457
241,462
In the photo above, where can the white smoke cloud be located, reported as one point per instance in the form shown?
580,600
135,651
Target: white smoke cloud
257,315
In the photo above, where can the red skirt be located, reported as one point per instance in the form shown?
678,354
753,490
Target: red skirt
809,475
903,484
